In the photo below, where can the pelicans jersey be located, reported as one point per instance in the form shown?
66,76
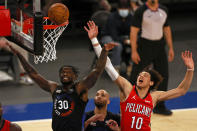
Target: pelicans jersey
136,112
5,126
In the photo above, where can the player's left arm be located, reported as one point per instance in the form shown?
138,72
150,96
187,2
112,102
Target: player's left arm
89,81
168,37
15,127
183,86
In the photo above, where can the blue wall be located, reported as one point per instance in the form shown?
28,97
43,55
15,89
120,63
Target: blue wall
44,110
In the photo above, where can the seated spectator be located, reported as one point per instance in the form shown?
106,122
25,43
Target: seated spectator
117,29
6,125
100,119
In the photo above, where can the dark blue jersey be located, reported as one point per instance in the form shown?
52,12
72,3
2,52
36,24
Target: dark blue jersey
68,109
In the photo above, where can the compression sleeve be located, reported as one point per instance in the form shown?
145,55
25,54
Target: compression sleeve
108,67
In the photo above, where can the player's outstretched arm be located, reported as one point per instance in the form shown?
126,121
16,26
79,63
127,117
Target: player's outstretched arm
89,81
185,83
123,84
41,81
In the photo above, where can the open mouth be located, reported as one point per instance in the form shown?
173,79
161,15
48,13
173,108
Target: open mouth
65,78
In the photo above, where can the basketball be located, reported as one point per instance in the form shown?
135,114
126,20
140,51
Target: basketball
58,13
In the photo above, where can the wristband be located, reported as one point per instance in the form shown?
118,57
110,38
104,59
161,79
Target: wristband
94,41
190,69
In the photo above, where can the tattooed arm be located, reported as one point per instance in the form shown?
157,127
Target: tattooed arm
46,85
89,81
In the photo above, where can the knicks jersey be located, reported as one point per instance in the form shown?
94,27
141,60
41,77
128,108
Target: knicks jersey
68,109
136,112
5,126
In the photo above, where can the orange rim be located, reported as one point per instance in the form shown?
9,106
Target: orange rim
45,27
28,24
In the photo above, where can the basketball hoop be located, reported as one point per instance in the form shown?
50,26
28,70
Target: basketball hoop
51,35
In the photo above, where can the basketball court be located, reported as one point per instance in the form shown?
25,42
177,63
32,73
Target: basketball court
30,106
182,120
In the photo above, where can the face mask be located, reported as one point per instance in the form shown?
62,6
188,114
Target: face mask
123,12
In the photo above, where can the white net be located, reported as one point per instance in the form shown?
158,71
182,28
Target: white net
51,37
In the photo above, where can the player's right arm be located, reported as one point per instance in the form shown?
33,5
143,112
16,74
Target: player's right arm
123,84
46,85
183,87
133,39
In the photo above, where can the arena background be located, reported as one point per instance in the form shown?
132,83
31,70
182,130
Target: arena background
31,103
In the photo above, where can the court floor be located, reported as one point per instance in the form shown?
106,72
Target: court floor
181,120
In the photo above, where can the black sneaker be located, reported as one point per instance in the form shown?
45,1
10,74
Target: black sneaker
162,111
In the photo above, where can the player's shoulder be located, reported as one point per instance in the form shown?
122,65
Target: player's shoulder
15,127
110,114
89,114
163,7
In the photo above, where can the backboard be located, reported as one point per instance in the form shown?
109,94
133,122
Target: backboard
27,29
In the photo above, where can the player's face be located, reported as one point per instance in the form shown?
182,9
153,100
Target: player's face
67,75
143,80
101,99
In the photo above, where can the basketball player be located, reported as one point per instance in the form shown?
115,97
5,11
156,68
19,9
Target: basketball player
6,125
100,119
137,101
70,98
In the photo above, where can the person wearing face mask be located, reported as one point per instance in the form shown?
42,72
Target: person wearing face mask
117,29
151,20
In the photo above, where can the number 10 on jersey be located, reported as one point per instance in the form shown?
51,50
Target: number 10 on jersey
137,122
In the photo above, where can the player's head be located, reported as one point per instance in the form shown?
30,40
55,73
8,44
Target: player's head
152,2
1,111
68,74
149,78
101,98
123,8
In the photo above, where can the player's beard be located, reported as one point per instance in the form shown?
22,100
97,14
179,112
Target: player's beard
99,105
67,83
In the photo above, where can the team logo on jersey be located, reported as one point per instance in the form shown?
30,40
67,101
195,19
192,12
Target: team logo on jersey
58,91
133,97
63,105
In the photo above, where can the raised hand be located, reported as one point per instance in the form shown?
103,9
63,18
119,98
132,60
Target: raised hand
92,29
110,46
188,60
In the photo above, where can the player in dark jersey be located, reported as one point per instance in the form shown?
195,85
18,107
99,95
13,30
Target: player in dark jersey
137,102
100,119
70,98
6,125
